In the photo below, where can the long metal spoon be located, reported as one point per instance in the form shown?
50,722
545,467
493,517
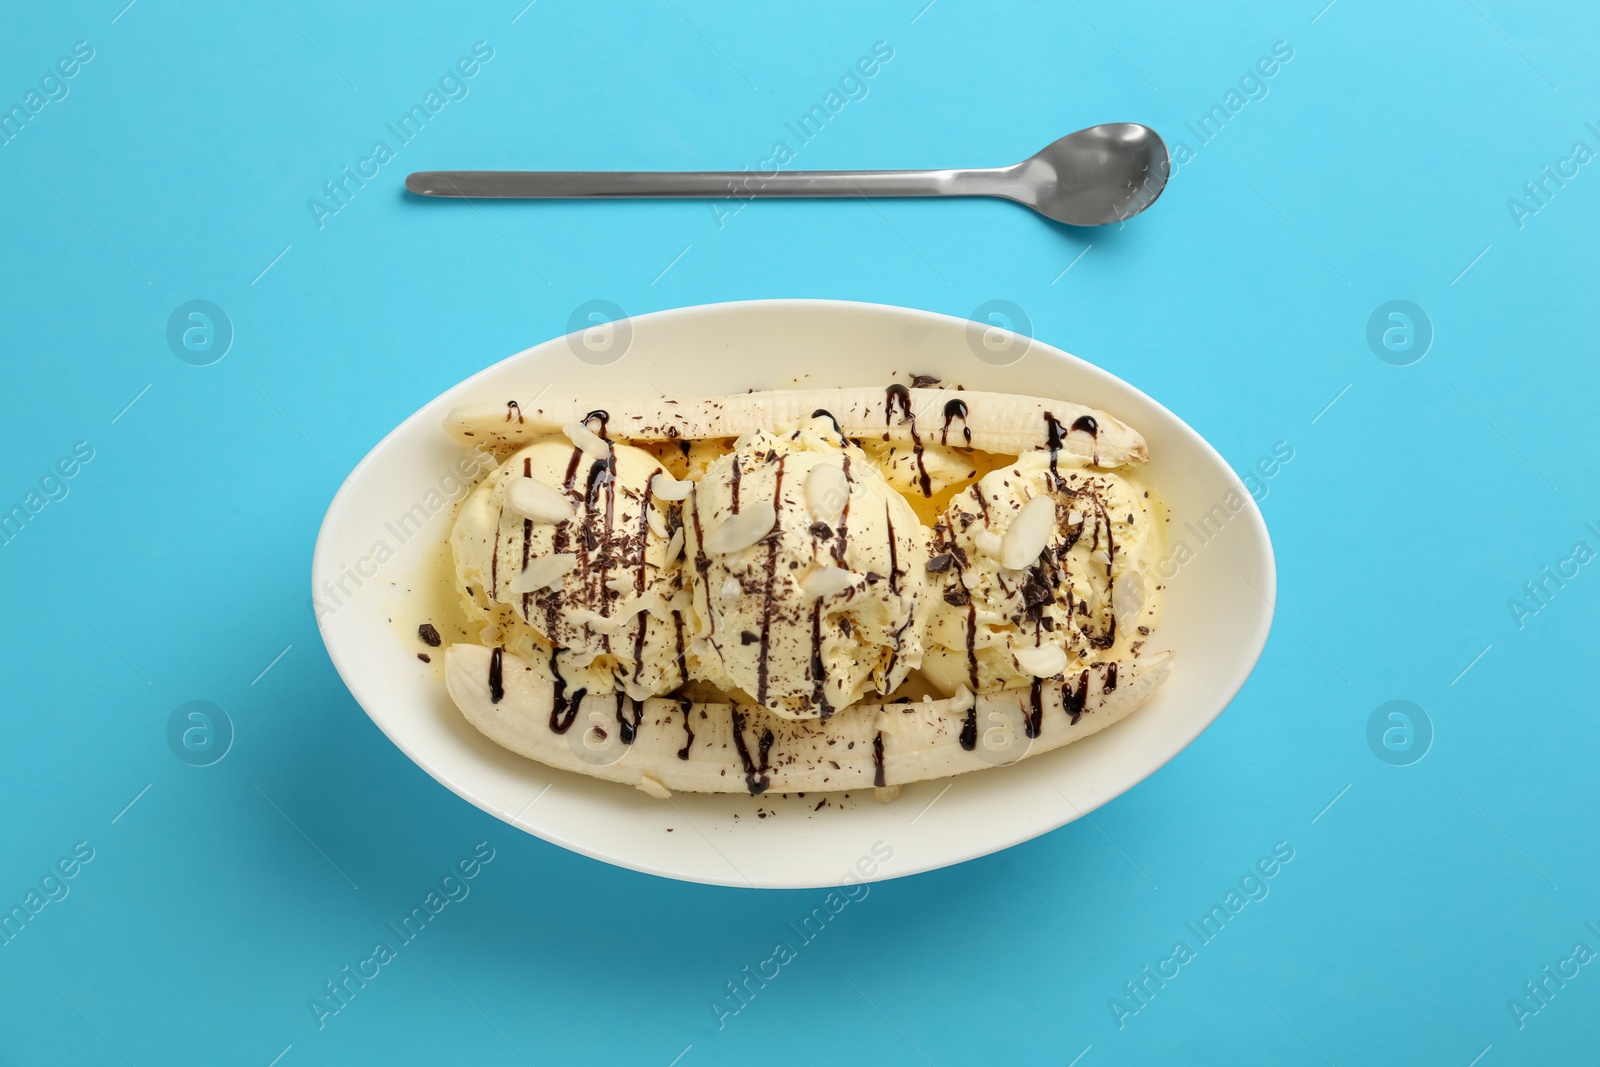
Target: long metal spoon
1095,176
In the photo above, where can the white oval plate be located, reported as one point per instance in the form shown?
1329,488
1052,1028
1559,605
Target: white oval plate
1217,606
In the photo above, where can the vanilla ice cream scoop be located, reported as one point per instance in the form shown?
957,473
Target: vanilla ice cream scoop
571,552
1040,571
810,573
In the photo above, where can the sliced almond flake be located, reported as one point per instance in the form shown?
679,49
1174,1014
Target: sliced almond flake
621,616
592,443
826,581
1100,556
658,524
533,499
742,530
543,572
1028,533
827,491
675,545
1074,518
730,590
665,487
988,542
654,788
1041,661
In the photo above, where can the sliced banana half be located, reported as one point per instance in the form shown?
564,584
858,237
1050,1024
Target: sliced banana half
992,422
664,745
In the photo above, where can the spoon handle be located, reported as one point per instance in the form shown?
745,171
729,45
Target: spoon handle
520,184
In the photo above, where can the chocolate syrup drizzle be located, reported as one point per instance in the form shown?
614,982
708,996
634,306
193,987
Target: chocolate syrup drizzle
955,409
843,530
756,777
841,539
957,568
527,536
629,729
513,408
1053,435
642,620
894,555
1107,639
494,563
702,564
677,633
956,584
1072,700
572,469
688,731
562,710
895,396
762,664
899,396
602,478
877,759
824,412
1035,709
817,670
972,671
497,687
1087,424
644,528
894,588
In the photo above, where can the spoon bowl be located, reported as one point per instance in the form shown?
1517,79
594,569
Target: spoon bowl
1100,175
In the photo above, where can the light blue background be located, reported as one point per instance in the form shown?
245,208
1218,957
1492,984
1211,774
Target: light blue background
1378,167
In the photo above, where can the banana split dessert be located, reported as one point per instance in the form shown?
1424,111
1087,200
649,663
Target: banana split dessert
802,590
